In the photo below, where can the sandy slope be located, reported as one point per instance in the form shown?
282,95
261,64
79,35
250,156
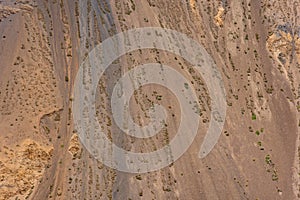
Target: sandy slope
255,44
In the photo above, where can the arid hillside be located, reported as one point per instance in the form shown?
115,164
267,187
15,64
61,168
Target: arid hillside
255,46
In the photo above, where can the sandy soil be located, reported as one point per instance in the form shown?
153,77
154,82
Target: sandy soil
256,46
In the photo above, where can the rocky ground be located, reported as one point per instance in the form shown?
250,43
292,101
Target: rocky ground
256,46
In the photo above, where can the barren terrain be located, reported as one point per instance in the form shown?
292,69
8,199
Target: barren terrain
256,47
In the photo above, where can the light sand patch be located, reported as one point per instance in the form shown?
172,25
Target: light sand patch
282,45
218,19
21,168
75,148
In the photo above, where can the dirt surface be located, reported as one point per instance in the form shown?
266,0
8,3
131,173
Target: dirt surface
256,47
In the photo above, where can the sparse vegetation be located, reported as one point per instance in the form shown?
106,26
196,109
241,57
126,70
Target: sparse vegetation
253,116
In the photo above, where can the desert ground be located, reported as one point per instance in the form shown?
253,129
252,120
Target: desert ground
254,44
